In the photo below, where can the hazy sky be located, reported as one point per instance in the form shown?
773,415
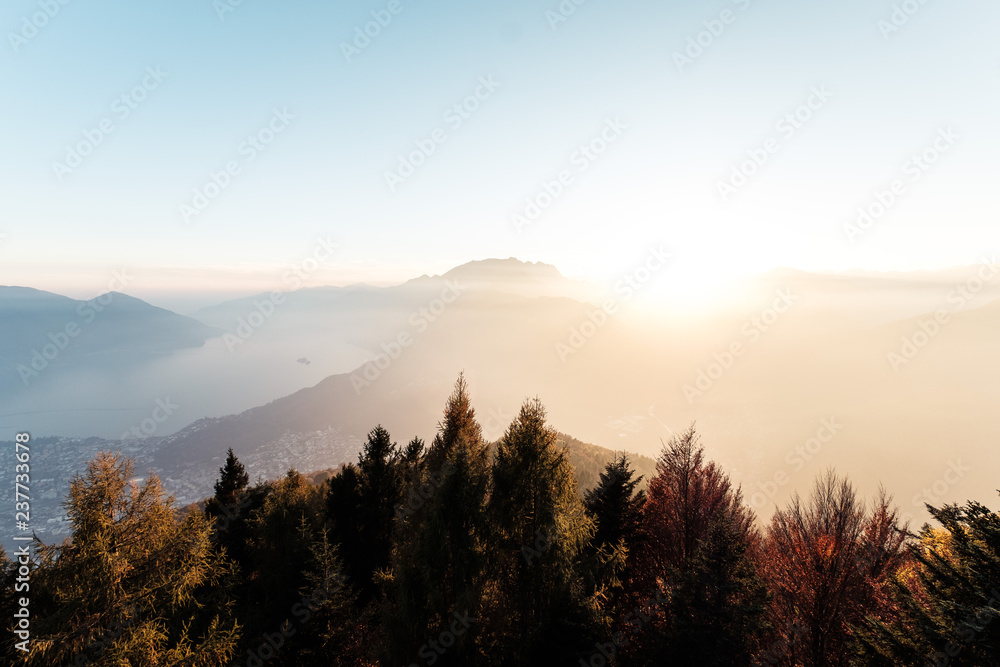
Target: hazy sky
678,129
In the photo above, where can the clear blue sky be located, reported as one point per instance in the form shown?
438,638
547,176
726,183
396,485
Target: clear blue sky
324,174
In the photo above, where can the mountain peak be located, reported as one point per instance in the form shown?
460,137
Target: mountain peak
510,268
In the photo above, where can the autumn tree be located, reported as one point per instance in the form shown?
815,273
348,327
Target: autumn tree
132,585
699,563
829,562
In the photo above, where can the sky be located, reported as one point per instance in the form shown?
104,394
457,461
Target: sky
742,136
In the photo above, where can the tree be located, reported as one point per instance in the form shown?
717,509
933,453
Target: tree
541,529
233,478
439,562
281,534
699,563
361,503
829,563
327,614
949,597
231,506
616,508
132,585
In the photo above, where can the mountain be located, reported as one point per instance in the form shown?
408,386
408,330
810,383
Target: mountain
812,355
40,330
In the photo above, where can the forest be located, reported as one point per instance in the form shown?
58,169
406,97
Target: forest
469,552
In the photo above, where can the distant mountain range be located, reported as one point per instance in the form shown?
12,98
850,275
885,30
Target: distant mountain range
809,348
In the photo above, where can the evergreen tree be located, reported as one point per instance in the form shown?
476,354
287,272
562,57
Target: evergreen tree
231,506
362,501
438,572
541,531
616,507
325,619
414,451
949,598
233,478
132,585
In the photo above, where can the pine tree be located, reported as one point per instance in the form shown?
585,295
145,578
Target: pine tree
616,507
949,597
414,451
233,478
615,504
438,566
361,503
230,508
132,585
542,529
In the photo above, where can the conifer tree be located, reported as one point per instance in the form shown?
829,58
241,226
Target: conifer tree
362,501
132,585
231,506
233,478
616,507
439,563
542,529
949,596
